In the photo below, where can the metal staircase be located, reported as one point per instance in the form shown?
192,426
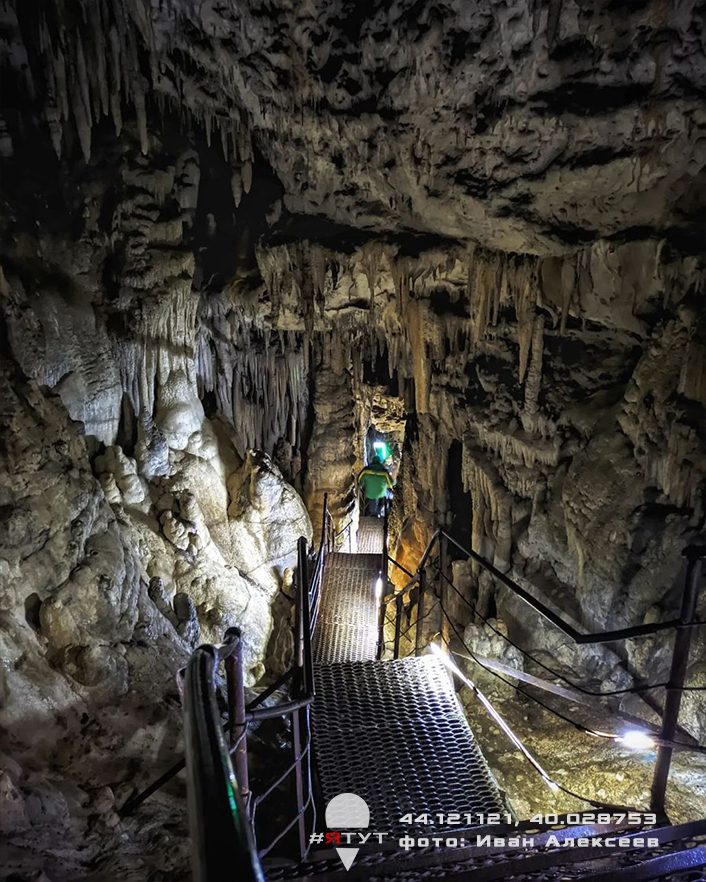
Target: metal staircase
391,730
347,629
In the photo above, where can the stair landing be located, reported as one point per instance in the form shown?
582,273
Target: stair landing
391,731
346,630
370,535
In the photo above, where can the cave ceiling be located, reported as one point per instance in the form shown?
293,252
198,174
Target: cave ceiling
241,238
524,126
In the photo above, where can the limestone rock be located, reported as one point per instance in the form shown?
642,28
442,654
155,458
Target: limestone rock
266,519
46,805
179,411
123,471
176,531
485,642
14,811
187,623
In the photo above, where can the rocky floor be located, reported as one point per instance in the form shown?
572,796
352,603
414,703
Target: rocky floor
592,767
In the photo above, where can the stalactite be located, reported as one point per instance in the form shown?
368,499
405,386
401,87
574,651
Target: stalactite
247,176
52,114
479,292
111,59
265,396
692,378
371,258
81,114
491,503
99,30
534,377
568,283
82,77
525,295
401,281
116,79
317,265
515,447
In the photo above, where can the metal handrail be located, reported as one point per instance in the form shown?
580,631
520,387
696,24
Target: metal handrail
384,567
306,616
400,567
572,633
134,802
335,534
221,812
217,810
683,626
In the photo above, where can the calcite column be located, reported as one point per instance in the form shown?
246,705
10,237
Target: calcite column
331,456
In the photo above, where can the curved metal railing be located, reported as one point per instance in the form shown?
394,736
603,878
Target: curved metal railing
682,626
222,810
218,813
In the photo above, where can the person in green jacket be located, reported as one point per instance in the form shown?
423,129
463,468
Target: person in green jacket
375,481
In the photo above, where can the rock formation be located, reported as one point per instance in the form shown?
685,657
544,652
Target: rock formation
234,238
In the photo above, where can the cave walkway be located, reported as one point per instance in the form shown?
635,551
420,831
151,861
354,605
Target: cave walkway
390,731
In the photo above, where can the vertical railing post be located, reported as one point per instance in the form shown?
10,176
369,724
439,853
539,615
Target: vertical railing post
303,659
399,606
299,621
218,819
384,567
324,524
443,589
420,611
299,781
308,679
381,626
680,660
385,550
236,717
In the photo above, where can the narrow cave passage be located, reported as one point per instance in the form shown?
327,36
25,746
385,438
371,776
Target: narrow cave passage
352,441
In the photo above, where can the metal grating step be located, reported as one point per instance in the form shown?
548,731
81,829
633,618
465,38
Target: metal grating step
342,560
346,629
370,535
394,733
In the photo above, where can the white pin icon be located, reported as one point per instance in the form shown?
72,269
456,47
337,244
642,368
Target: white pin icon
346,811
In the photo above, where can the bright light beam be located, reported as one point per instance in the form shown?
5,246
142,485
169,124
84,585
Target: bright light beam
381,448
453,667
378,589
635,739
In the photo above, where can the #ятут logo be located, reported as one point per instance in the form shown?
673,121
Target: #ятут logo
344,812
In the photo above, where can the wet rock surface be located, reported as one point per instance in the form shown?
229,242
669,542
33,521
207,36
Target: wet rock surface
590,767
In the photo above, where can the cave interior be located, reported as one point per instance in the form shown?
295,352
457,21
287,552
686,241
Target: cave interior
247,246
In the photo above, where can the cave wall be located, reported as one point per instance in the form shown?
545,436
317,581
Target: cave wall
234,237
141,508
535,126
575,387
